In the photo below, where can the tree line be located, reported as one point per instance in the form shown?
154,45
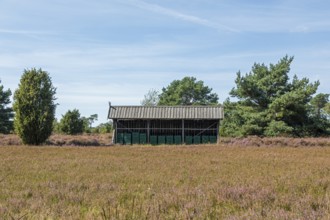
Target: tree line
266,103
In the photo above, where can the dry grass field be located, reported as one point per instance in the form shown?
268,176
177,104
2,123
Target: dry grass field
251,178
164,182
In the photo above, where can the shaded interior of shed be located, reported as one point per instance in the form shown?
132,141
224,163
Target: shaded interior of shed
166,131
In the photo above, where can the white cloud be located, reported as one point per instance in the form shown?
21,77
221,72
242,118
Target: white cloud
315,26
182,16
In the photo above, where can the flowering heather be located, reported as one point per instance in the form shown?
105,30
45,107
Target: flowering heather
105,140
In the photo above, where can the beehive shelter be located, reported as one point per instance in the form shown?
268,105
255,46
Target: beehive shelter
165,124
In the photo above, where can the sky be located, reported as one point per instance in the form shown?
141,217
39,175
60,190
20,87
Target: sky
117,50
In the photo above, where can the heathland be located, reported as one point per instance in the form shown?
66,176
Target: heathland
231,180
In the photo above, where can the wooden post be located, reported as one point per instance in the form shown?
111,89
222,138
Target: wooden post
218,135
114,138
182,131
148,131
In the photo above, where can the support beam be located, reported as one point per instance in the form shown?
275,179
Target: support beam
148,131
115,133
183,131
218,135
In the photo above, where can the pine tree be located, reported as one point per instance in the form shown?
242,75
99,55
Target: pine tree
6,113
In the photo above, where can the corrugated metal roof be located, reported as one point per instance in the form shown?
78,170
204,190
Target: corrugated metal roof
165,112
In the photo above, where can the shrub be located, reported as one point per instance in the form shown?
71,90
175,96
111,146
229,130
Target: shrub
34,107
71,123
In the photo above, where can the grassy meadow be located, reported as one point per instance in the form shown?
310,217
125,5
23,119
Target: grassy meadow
164,182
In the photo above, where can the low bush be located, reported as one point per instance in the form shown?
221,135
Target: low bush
63,140
105,140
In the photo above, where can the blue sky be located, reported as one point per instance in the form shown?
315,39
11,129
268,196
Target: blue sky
116,50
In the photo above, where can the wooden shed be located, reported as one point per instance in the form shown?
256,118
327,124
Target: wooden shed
165,124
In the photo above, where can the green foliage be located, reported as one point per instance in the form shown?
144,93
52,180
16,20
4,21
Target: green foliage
88,123
92,119
187,91
270,105
6,113
103,128
151,98
71,123
319,102
56,126
34,107
86,127
326,109
278,128
319,115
